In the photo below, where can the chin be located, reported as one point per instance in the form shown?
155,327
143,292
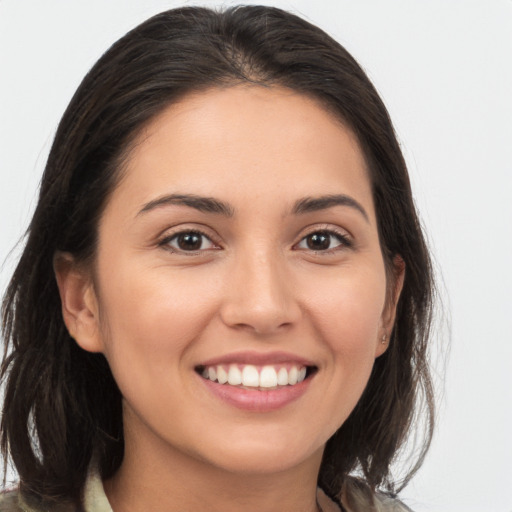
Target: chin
263,456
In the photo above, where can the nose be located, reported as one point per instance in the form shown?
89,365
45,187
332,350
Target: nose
260,295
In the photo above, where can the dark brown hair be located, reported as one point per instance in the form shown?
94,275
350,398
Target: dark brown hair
61,403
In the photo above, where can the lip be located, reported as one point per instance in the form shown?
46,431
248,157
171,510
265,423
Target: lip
256,400
258,359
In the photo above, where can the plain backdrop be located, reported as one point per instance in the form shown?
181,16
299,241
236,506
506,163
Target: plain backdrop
444,70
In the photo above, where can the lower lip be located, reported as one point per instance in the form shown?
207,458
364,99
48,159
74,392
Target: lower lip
254,399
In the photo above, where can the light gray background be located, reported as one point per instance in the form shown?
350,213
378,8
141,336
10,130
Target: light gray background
444,70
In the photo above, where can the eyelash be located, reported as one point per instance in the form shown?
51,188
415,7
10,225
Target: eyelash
165,242
343,239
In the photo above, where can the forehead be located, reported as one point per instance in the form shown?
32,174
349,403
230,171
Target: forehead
257,141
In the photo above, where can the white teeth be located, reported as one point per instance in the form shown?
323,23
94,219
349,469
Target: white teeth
222,375
282,377
234,376
293,375
268,377
250,376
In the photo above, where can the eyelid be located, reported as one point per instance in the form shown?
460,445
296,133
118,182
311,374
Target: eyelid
346,240
168,235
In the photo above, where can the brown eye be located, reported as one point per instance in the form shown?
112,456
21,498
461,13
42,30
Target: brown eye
318,241
189,241
323,241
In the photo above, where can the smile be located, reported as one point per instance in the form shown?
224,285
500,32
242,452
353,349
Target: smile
257,382
255,377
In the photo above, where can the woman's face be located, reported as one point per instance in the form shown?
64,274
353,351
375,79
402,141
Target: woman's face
240,244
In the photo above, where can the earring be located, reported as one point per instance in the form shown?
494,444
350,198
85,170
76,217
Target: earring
384,339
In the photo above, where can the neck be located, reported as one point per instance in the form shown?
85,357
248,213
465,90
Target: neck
159,478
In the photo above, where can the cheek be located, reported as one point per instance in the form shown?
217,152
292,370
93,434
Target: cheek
347,312
152,314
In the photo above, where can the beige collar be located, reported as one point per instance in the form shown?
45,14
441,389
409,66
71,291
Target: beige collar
95,499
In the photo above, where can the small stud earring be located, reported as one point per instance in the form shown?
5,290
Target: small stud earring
384,339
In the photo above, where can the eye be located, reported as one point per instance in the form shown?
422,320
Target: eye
188,241
323,241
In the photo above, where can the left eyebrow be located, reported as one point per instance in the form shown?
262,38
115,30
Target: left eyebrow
314,204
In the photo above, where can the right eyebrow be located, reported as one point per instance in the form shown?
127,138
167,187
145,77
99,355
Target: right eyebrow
200,203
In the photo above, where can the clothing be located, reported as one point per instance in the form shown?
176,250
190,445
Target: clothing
354,499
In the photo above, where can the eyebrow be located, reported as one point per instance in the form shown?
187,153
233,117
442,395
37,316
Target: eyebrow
314,204
211,205
202,204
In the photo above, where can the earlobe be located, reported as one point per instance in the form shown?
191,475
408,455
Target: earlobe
79,302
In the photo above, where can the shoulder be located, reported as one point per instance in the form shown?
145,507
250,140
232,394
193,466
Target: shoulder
357,497
9,502
388,504
94,500
12,501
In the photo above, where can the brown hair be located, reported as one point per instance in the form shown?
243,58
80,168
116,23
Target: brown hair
61,403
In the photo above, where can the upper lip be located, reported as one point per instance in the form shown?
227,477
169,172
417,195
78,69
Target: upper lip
258,359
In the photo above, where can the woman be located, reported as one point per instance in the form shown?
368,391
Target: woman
225,295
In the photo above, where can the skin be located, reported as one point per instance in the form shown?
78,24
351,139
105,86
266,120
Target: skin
156,311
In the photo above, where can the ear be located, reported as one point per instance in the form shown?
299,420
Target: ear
79,302
389,313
